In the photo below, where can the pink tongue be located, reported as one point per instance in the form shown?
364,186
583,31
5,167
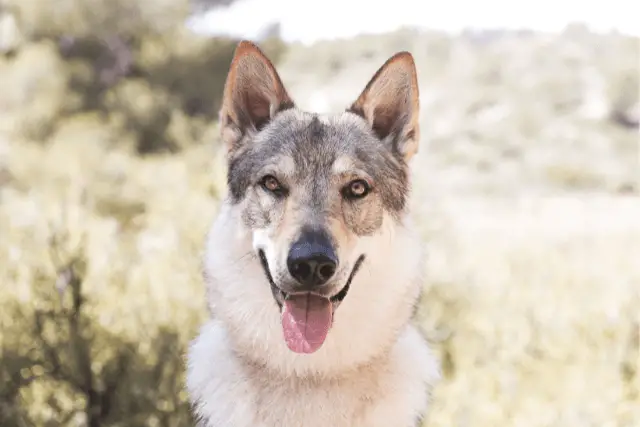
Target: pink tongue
306,320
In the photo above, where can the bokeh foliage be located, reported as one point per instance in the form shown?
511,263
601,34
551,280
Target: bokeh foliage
128,68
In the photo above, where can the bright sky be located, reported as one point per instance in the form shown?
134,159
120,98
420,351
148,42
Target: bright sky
308,21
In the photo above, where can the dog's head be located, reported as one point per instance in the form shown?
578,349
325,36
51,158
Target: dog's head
315,190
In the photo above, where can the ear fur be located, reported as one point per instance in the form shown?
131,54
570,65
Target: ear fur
253,94
390,104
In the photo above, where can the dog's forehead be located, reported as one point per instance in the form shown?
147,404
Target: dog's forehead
331,143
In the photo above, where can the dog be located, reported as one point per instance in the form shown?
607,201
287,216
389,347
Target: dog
312,266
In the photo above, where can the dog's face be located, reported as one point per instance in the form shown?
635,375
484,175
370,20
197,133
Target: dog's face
314,191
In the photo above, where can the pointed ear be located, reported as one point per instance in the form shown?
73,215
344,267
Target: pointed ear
390,103
253,94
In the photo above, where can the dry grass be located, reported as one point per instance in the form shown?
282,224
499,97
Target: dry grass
139,226
533,297
534,305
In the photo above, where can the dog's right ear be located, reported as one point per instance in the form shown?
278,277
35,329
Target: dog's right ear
253,94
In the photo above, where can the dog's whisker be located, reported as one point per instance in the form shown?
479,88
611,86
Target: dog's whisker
242,257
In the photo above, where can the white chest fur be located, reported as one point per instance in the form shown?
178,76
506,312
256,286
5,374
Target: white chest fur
226,391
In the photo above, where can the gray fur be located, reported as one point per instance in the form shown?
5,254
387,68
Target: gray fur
313,144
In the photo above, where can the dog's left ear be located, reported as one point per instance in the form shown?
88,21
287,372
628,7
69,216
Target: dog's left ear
253,94
390,103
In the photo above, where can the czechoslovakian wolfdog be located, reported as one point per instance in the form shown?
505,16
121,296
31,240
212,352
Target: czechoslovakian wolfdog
312,266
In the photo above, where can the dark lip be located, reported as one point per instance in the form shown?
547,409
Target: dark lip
279,295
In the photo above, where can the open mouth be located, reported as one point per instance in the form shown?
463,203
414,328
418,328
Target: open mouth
307,317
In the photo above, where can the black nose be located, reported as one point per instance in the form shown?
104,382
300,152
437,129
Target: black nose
312,260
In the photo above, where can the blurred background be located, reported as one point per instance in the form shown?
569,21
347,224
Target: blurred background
526,190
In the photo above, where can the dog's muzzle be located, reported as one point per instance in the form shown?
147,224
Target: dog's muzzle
307,315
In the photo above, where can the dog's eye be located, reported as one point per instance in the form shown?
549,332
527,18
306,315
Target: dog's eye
357,189
270,183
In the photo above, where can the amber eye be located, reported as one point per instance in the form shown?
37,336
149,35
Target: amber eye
270,183
357,189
